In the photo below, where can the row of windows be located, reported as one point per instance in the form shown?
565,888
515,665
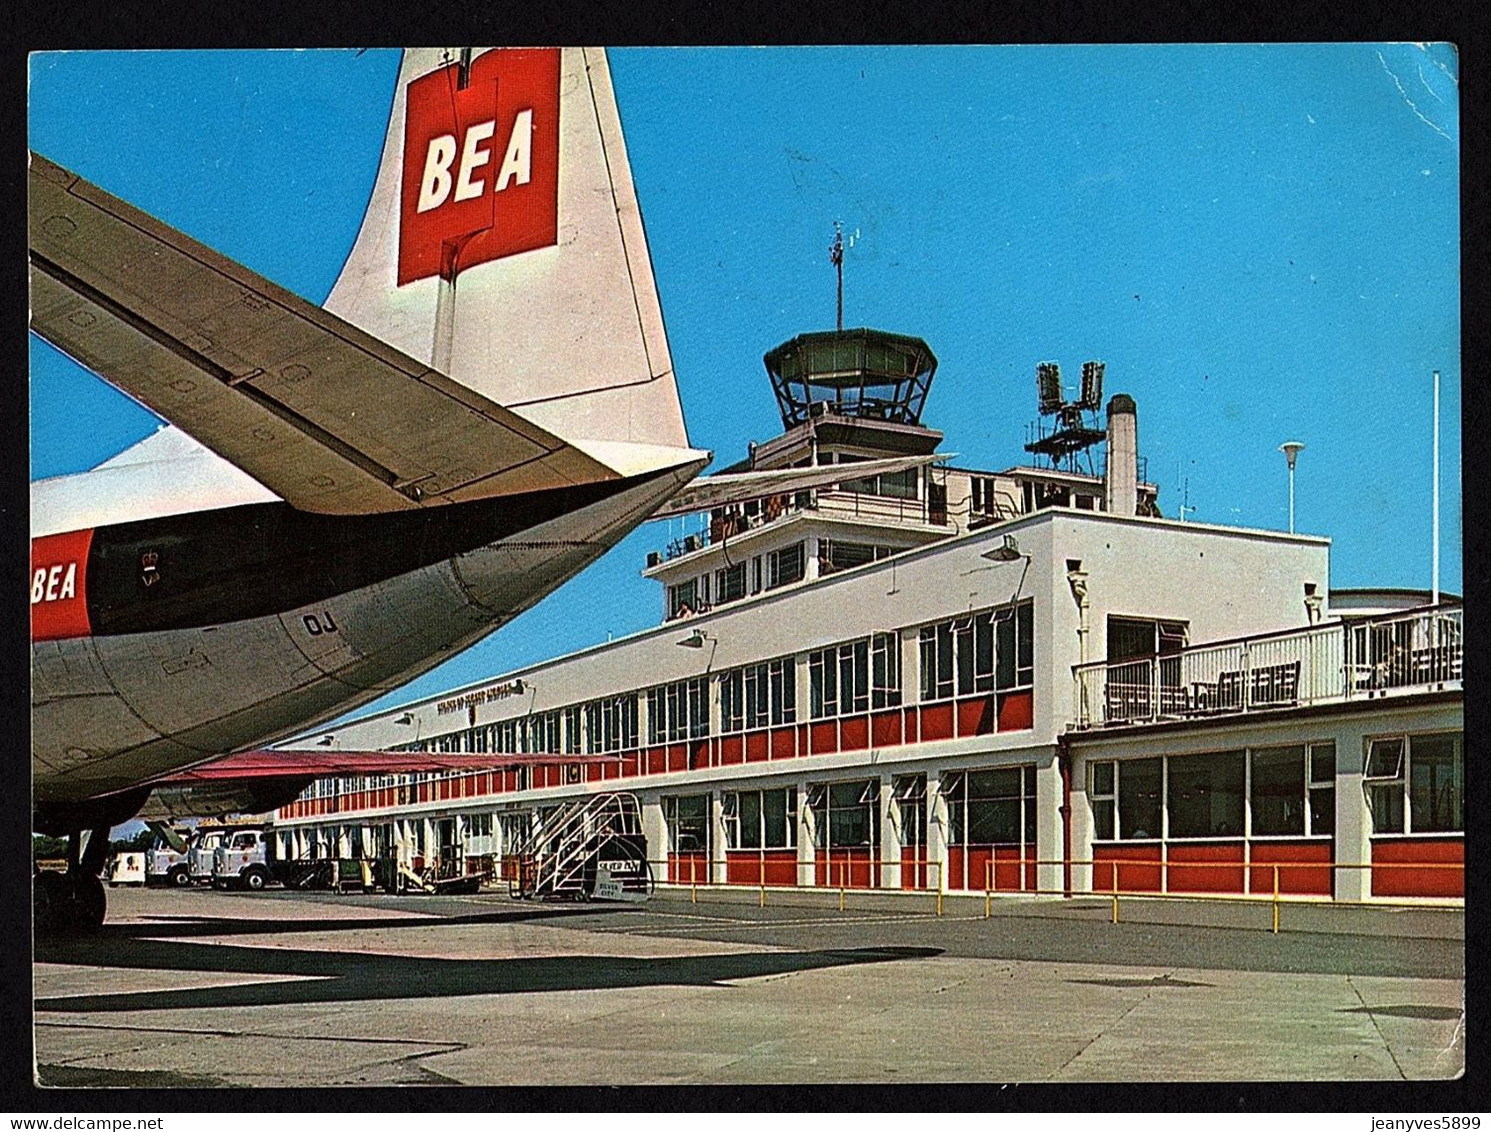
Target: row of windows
1416,783
835,555
760,819
991,807
678,711
978,652
1264,792
855,677
759,695
779,567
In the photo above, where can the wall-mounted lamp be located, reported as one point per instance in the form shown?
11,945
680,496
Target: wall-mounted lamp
406,719
326,740
1007,551
697,640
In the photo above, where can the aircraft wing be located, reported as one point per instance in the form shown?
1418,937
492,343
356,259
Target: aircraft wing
324,415
246,765
256,782
708,492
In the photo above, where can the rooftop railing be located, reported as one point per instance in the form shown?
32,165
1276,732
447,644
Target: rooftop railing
1417,650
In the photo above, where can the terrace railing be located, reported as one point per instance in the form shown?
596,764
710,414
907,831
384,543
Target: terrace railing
1336,661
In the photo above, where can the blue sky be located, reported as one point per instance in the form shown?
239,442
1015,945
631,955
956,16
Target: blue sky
1262,242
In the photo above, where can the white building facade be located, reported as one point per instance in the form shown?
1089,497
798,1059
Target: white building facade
961,681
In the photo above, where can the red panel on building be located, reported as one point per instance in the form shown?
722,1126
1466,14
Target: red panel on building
854,733
481,163
823,738
885,728
937,722
973,714
845,868
1304,867
777,867
1016,711
59,584
688,868
757,747
914,867
784,743
1014,868
1206,867
1412,866
1135,874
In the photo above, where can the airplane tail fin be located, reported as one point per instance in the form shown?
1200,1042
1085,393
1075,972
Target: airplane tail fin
503,243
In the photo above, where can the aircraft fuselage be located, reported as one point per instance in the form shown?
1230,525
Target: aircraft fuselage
184,637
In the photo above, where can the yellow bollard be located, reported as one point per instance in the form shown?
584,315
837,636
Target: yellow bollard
1115,892
1276,900
693,882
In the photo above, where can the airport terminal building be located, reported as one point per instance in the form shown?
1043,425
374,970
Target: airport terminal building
1024,680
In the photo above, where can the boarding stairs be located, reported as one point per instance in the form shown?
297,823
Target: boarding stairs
592,848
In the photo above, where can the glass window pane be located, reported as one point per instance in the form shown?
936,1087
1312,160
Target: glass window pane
1139,798
1385,758
843,795
1206,795
1436,784
1323,762
1385,800
927,647
1323,810
1102,778
1025,631
965,659
1102,819
750,820
944,661
1128,637
774,815
1005,651
1278,791
994,821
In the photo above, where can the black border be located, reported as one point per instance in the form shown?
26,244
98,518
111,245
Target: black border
338,22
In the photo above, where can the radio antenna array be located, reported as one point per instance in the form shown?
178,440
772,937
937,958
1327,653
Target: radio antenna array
1065,441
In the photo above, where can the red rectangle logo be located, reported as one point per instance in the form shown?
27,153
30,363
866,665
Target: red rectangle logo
59,586
481,163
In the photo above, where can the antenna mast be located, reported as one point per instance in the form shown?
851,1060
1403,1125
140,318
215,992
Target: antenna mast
836,257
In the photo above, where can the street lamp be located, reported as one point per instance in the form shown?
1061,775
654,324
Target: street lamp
1291,450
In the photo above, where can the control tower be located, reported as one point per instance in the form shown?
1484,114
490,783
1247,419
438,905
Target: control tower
868,374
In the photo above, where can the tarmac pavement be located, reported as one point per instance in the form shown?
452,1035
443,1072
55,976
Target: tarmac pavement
201,988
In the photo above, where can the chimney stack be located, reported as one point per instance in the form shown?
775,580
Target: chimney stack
1121,476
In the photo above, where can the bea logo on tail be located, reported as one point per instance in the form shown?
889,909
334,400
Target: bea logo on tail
481,163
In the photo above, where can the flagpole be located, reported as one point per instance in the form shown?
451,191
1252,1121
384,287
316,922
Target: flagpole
1436,487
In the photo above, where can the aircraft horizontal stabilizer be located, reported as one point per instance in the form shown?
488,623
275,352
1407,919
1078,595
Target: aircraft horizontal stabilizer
256,782
721,490
326,416
325,764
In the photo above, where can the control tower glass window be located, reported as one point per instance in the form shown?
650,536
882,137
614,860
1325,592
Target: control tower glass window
864,373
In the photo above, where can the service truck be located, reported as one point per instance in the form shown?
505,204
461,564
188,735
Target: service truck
243,859
182,857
